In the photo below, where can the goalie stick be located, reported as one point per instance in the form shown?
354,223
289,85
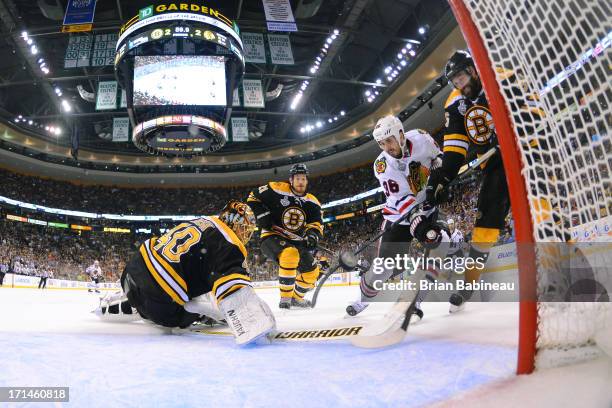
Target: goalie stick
346,258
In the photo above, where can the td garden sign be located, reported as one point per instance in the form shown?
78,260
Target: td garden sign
179,11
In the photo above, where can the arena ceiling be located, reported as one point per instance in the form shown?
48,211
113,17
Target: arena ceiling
372,32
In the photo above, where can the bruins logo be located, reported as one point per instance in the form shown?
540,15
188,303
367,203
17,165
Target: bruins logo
157,33
293,218
479,124
380,165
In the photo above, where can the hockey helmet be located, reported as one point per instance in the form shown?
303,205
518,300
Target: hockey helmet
458,62
240,218
299,168
389,126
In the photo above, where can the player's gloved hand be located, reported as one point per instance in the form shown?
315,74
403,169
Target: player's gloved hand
436,192
312,239
265,221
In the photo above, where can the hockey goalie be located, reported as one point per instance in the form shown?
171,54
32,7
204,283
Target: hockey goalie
193,272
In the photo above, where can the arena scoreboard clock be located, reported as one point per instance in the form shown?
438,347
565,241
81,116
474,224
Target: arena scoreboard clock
179,64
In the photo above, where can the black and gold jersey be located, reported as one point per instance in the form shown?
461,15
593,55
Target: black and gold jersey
296,214
469,123
197,257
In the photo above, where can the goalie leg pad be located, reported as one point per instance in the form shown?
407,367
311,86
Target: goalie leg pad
247,315
115,307
204,306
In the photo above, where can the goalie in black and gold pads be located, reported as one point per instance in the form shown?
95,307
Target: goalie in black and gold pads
196,269
291,227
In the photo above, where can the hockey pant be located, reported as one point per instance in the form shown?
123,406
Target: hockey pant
393,243
151,302
297,269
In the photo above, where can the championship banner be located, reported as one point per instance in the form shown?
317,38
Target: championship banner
80,12
254,49
78,51
236,98
106,98
123,103
240,130
252,93
103,50
280,49
279,16
121,129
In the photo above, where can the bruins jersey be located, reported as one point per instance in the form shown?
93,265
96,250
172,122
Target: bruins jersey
293,213
197,257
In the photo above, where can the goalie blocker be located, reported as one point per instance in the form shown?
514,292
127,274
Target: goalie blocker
176,279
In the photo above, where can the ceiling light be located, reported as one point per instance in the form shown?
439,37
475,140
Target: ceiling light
326,46
24,34
302,130
399,55
403,63
422,30
29,41
30,122
335,118
389,78
330,120
379,81
334,36
336,31
368,93
66,105
342,113
412,53
404,50
313,70
58,131
329,40
319,124
34,50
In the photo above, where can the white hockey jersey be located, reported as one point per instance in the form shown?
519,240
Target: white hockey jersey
404,180
456,241
94,271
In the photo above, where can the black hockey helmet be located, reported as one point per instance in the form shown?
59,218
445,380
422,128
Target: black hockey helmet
459,61
299,168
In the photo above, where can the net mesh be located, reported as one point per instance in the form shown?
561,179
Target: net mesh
552,63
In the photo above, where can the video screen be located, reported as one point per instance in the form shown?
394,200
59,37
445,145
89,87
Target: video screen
179,80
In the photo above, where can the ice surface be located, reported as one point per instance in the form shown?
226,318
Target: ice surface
49,338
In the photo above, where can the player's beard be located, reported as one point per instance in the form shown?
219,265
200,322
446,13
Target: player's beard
472,89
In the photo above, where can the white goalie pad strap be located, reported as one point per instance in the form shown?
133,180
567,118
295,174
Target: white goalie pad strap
247,315
204,306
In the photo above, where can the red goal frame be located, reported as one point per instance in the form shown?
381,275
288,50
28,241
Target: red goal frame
513,164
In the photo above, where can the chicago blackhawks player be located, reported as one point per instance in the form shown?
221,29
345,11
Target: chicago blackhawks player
291,224
402,169
95,273
196,269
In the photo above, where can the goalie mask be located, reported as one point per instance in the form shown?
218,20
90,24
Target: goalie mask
387,127
240,218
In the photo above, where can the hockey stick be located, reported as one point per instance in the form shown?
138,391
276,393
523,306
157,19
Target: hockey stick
394,326
351,257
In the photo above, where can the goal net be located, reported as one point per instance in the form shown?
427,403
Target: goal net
546,68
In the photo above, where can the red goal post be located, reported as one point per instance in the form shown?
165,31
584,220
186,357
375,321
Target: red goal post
488,26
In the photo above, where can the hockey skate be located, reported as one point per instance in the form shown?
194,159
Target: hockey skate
356,307
285,303
302,303
457,301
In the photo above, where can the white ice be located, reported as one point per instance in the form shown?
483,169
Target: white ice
49,338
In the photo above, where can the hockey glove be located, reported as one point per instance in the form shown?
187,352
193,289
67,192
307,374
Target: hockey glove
436,192
312,239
